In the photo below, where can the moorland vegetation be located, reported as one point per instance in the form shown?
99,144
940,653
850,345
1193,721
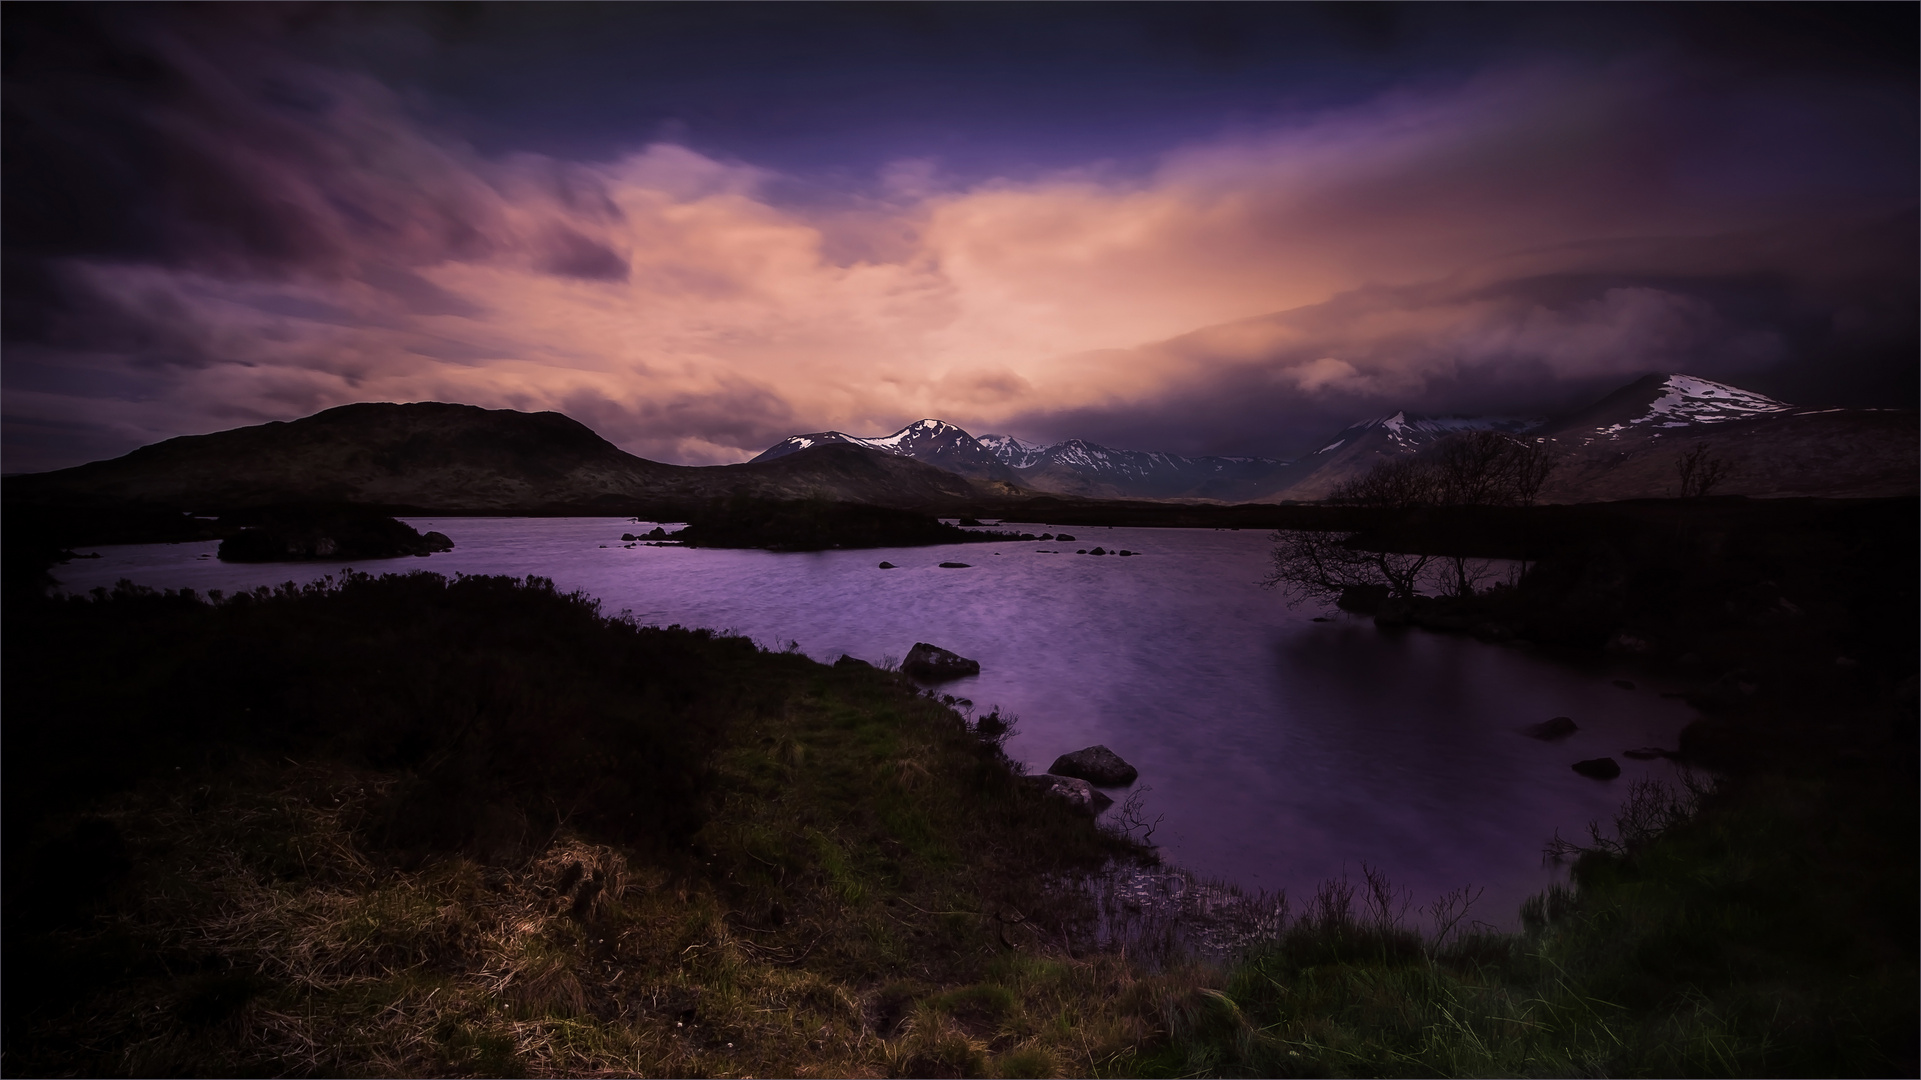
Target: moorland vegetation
413,826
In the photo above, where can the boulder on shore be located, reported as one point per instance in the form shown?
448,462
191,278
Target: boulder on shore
931,663
1600,768
1077,792
1096,765
1558,728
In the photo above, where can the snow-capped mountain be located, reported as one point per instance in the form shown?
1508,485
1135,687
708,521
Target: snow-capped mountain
935,442
1079,467
1623,446
1658,403
1074,467
1012,452
1626,445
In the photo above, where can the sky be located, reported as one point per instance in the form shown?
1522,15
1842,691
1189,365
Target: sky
700,228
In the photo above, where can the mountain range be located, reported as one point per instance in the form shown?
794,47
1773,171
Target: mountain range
441,457
1074,467
1622,446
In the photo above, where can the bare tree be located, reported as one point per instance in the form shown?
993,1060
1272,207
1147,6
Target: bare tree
1700,472
1473,468
1397,483
1533,464
1321,566
1476,468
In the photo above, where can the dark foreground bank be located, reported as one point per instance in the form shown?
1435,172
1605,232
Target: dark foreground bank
405,826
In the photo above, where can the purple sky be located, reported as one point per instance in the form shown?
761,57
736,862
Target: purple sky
700,228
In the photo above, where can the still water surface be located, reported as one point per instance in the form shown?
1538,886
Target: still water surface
1280,750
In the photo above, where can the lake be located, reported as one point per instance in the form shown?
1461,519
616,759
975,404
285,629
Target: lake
1279,751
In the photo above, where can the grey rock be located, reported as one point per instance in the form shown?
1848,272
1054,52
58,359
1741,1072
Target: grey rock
886,566
931,663
1096,765
1076,792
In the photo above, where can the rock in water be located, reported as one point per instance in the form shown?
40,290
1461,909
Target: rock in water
1096,765
931,663
958,565
1078,793
1600,768
886,566
1558,728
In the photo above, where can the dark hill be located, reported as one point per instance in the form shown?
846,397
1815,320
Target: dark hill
447,458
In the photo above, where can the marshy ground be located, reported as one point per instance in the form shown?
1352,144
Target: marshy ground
407,826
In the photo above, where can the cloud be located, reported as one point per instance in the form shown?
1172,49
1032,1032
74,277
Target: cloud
305,238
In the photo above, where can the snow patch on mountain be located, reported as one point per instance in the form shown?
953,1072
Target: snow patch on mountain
1012,452
1685,400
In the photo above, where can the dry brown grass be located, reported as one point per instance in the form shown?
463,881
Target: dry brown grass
304,951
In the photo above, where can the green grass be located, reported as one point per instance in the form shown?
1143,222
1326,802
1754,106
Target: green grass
1739,941
416,827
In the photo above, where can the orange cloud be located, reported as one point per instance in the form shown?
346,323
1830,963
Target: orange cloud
697,317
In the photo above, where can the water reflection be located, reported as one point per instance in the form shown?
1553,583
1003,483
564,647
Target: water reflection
1280,750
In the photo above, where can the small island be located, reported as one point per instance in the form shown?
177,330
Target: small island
300,534
819,525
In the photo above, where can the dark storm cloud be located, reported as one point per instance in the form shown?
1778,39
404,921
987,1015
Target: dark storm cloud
1533,346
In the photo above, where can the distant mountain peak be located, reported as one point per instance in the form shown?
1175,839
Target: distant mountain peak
1690,399
1012,452
1409,431
1671,401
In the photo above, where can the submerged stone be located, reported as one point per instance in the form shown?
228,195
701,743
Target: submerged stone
1558,728
1600,768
